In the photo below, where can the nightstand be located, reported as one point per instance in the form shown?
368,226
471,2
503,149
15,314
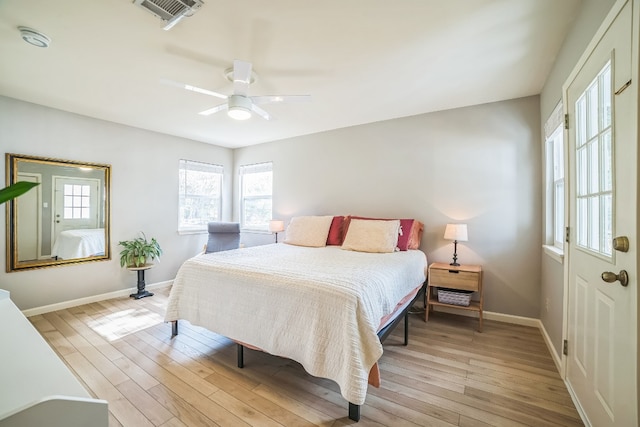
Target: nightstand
463,278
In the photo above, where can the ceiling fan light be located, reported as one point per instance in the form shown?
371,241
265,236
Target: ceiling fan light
239,107
239,113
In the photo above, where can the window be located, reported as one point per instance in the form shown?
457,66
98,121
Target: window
200,191
256,184
77,201
554,150
594,166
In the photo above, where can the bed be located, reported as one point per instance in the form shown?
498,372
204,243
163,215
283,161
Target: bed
325,307
79,243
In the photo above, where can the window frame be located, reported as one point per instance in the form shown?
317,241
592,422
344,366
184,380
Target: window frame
555,178
244,170
186,165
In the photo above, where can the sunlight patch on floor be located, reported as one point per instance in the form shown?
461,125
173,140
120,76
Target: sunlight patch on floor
116,325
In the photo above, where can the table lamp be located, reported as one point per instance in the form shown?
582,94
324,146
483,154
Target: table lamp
455,232
276,226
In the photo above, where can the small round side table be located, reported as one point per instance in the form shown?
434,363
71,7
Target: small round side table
141,284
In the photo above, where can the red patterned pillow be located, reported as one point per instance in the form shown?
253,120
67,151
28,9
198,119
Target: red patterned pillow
336,232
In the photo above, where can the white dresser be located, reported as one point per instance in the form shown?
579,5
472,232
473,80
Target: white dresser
36,387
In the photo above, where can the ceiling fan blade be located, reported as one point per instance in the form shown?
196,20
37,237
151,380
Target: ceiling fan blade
273,99
241,77
214,110
193,88
259,111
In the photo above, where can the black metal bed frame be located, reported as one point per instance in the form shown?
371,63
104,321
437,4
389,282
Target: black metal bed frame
354,410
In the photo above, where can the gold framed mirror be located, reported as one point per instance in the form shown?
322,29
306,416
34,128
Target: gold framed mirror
64,220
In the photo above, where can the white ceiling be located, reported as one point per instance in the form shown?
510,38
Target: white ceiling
361,60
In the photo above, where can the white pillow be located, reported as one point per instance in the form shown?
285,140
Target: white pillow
308,231
365,235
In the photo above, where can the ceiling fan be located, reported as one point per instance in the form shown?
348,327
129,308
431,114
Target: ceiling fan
239,104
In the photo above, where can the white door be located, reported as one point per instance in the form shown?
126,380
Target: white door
75,204
28,215
601,365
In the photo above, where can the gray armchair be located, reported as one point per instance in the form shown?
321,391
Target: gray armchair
223,236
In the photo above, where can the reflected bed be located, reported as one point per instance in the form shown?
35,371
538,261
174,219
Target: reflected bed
83,243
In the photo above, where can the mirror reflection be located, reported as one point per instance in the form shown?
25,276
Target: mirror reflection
63,220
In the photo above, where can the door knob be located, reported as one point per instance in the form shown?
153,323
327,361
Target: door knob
610,277
621,243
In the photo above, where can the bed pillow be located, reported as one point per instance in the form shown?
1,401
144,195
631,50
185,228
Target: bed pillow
336,235
415,236
409,235
309,231
380,236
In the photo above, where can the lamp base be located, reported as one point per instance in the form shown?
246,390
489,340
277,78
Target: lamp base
455,262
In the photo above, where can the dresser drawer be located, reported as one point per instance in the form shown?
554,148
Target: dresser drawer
464,280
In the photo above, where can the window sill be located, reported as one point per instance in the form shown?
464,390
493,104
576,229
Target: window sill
248,230
555,253
192,231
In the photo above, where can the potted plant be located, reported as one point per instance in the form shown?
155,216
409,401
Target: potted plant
138,251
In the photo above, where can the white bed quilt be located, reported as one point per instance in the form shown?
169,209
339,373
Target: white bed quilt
318,306
80,243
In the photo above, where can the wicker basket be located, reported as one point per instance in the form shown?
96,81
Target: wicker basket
454,296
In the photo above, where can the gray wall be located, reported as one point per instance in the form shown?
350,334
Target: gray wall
144,188
480,165
585,26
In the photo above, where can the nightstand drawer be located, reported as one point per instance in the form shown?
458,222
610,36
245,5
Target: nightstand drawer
463,280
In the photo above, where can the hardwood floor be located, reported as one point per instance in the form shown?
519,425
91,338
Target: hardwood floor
448,375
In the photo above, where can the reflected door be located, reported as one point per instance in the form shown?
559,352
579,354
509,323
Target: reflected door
76,204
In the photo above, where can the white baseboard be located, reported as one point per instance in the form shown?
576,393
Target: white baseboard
88,300
557,359
490,315
576,403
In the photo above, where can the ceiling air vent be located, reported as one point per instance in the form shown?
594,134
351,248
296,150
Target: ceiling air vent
170,11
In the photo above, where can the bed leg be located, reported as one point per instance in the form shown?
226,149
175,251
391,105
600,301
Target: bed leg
174,328
406,328
354,412
240,356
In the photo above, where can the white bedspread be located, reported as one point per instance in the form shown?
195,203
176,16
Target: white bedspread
79,243
318,306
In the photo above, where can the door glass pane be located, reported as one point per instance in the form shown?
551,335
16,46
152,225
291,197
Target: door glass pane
594,165
581,167
594,223
607,215
605,97
607,162
581,119
582,224
594,184
592,107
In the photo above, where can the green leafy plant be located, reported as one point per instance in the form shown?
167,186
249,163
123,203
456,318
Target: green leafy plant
136,252
15,190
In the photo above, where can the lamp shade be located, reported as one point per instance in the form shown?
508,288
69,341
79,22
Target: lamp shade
456,232
276,226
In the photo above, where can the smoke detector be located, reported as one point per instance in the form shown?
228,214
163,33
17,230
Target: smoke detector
34,37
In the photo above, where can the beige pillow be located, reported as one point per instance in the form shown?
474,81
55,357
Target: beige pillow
308,231
372,235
